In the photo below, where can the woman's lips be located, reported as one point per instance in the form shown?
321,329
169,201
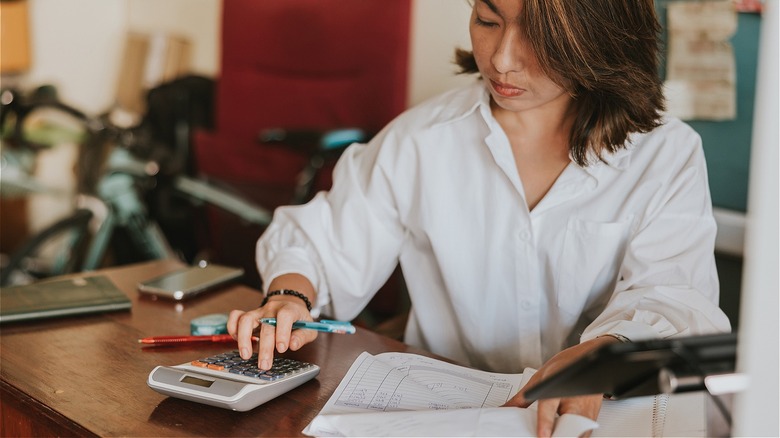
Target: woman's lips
506,90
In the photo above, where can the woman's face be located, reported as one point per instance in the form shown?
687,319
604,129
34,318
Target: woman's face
507,62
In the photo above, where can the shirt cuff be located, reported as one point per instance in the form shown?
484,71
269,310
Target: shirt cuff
631,330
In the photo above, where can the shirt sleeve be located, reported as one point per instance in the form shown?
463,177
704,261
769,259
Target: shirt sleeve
668,284
345,241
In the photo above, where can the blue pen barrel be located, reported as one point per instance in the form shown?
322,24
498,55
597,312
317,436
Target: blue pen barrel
324,325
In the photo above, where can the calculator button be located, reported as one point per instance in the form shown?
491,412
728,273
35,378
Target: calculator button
269,377
232,362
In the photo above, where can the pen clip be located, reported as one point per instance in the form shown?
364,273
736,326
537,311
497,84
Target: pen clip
331,326
332,322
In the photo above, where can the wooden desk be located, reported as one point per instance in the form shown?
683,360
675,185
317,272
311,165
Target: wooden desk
86,375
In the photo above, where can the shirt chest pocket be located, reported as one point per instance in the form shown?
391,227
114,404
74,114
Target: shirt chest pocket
589,262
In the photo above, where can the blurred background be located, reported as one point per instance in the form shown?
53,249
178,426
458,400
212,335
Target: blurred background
103,56
187,86
157,121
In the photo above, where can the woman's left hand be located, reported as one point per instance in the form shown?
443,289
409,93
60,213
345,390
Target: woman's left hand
587,406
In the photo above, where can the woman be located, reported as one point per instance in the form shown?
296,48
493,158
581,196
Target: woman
540,213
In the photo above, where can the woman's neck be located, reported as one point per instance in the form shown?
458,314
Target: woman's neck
547,128
539,139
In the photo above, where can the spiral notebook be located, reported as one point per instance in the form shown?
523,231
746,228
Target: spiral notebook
53,298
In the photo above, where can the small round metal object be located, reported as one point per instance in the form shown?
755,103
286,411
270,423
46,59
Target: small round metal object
214,324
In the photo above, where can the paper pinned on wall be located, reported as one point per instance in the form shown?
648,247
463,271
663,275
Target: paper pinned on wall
701,71
749,6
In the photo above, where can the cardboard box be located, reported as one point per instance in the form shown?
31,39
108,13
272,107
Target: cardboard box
150,59
14,37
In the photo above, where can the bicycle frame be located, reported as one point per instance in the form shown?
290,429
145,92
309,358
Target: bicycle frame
116,189
125,209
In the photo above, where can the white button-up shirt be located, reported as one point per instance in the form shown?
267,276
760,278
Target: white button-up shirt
623,246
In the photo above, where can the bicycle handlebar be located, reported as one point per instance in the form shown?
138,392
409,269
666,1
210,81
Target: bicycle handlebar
312,141
12,102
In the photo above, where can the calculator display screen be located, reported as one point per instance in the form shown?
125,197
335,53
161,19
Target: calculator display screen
196,381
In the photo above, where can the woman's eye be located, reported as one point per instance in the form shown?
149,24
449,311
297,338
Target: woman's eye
481,22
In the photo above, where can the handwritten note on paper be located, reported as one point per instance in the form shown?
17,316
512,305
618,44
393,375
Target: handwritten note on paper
701,70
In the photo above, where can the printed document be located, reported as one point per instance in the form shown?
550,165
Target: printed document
401,394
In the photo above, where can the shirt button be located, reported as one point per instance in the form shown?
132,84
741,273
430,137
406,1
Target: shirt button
525,235
525,304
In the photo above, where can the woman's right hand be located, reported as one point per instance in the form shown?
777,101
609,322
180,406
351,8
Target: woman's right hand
286,309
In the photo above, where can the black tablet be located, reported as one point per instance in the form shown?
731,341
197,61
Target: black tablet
633,369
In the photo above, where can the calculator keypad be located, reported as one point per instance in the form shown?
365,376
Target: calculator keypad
231,362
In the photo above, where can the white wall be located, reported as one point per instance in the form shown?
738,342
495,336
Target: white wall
756,409
196,20
438,26
76,45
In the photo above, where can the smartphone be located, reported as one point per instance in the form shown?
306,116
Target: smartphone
190,281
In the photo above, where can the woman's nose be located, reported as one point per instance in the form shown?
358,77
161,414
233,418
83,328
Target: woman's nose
508,54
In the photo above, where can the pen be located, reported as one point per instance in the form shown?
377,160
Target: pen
325,325
172,340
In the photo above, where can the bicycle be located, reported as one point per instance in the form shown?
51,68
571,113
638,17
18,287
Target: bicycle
115,195
111,198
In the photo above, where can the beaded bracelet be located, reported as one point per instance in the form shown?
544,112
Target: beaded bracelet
294,293
620,338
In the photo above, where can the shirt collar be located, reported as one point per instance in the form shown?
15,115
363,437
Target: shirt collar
477,98
463,104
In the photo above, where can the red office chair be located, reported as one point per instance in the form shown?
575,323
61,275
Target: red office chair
316,64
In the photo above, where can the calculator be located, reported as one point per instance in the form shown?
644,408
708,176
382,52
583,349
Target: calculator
227,381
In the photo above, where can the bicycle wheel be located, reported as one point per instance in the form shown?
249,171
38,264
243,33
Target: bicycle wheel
56,250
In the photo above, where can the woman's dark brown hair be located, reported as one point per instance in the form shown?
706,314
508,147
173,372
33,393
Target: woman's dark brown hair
605,53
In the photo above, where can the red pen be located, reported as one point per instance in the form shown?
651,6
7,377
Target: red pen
173,340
